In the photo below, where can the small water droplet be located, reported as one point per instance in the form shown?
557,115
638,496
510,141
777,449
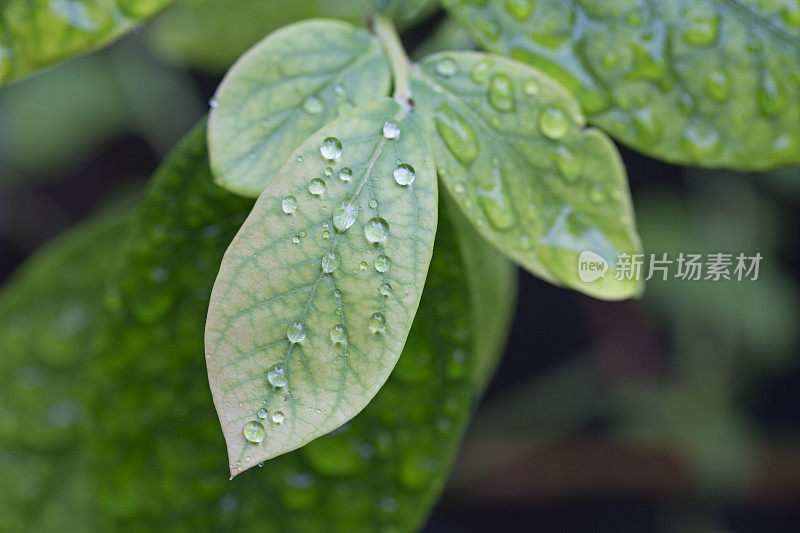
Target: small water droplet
313,105
330,262
702,25
345,174
316,187
520,9
326,234
328,172
386,289
278,417
404,174
377,323
299,158
331,148
345,215
254,432
480,72
373,203
376,230
501,92
446,67
530,87
262,413
276,375
382,263
339,90
718,85
553,123
289,204
391,129
568,164
597,194
339,334
296,239
363,266
296,332
213,103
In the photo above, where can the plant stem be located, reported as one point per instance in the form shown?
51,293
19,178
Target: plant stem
401,64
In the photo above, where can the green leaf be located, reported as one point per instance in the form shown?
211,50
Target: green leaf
212,34
285,88
47,310
37,33
699,82
155,440
317,292
512,148
401,10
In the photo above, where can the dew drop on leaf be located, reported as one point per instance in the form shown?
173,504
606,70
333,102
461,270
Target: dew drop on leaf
501,92
289,204
296,332
376,230
278,417
377,323
520,9
330,262
316,187
386,289
345,174
262,413
345,215
459,137
480,72
373,203
530,87
404,174
553,123
338,334
276,375
391,129
313,105
382,263
446,67
331,148
254,432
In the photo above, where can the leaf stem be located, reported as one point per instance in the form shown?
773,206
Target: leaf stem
398,59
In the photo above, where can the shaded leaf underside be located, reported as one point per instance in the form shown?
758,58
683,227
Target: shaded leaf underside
700,82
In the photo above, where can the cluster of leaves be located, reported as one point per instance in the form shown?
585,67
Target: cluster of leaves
352,255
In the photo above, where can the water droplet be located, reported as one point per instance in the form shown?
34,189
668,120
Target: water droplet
254,432
446,67
501,92
313,105
530,87
362,265
373,203
339,90
345,215
276,375
213,103
386,289
262,413
553,123
278,417
702,25
339,334
770,96
718,85
700,138
597,194
296,239
289,204
568,164
326,234
376,230
296,332
330,262
331,148
459,137
345,174
480,72
404,174
519,8
377,323
391,129
316,187
328,172
382,263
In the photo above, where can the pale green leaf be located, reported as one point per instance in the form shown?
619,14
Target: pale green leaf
512,147
700,82
37,33
285,88
303,264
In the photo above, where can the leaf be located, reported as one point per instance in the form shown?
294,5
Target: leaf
37,33
285,88
512,149
402,10
695,82
47,310
212,34
317,292
155,441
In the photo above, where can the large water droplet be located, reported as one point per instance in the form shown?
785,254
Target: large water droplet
501,92
331,148
276,375
376,230
377,323
391,129
457,135
278,417
254,432
316,187
330,262
289,204
345,174
446,67
345,215
553,123
338,334
313,105
382,263
404,174
296,332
